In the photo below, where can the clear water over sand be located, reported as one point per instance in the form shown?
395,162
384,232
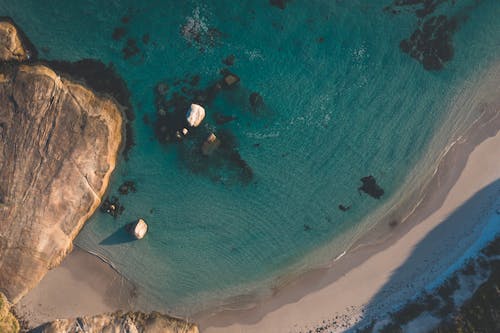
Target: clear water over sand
341,102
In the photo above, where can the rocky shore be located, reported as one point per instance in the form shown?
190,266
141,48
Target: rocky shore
59,144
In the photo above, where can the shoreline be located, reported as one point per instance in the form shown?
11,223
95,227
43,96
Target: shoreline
42,304
448,173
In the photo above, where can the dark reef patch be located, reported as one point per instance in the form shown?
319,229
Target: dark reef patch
421,8
344,208
371,187
223,163
127,187
118,33
229,60
130,48
431,43
112,206
281,4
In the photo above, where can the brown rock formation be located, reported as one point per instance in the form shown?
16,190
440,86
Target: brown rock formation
58,146
11,46
131,322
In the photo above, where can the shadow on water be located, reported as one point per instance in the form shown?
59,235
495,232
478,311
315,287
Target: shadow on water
421,264
120,236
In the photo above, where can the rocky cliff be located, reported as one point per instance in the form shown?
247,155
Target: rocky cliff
11,46
131,322
59,144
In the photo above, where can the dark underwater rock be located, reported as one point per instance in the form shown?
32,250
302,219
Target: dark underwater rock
371,187
256,100
112,206
118,33
281,4
431,44
130,49
229,61
127,187
344,208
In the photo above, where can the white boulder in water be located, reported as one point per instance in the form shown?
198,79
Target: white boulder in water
195,115
138,229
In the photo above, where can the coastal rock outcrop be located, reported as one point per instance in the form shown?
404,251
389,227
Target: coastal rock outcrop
11,46
59,144
119,322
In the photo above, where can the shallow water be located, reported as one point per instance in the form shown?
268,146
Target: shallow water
342,101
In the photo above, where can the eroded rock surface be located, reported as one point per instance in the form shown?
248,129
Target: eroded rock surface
58,146
119,322
11,47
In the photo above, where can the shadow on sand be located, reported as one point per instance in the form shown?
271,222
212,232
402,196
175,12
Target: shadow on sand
431,257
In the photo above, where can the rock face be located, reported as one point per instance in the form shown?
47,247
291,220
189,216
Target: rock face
195,115
138,229
131,322
59,143
11,47
8,323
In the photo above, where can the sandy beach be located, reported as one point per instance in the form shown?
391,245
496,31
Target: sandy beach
371,280
365,283
82,285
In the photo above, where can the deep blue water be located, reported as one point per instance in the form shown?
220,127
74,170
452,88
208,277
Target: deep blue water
342,101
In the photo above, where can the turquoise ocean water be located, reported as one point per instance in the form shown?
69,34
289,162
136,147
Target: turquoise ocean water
341,102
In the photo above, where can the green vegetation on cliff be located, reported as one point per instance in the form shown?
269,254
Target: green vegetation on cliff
8,323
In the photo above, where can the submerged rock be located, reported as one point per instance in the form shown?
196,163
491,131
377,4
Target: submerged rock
126,187
112,207
138,229
371,187
229,61
58,148
129,322
281,4
230,80
344,208
256,100
195,115
210,145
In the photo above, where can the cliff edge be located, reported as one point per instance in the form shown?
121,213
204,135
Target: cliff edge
59,144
